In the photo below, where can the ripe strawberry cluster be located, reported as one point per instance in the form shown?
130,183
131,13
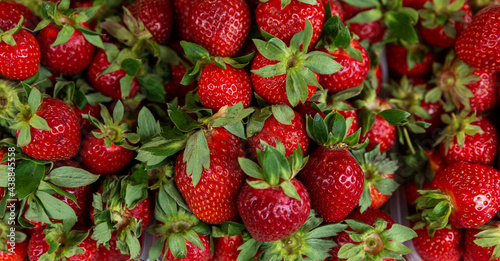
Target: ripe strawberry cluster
249,130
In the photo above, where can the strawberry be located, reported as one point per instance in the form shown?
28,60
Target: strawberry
486,95
109,83
12,248
221,26
272,203
224,174
226,247
381,132
421,60
107,150
156,15
373,30
481,243
369,234
330,166
192,251
470,139
445,245
460,189
92,110
335,7
415,4
19,54
174,88
283,19
58,243
474,46
11,12
290,132
112,253
181,26
19,254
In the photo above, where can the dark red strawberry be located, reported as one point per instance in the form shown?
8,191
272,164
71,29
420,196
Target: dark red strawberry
156,15
221,26
373,31
20,59
486,235
397,59
381,131
485,91
112,253
475,46
335,7
193,253
19,253
445,245
10,14
108,84
182,27
415,4
69,58
92,110
411,192
226,247
174,88
285,22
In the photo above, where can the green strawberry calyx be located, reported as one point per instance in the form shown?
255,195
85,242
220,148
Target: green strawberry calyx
5,230
458,127
443,13
8,98
338,35
435,208
408,96
376,242
69,20
176,224
282,113
274,170
374,164
452,78
299,66
63,242
489,237
7,36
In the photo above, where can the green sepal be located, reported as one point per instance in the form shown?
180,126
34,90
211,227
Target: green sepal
458,127
436,208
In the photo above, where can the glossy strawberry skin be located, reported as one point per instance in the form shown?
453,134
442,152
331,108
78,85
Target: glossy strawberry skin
111,254
381,133
378,199
214,199
69,58
218,87
269,214
477,45
226,247
272,89
194,253
396,59
474,191
156,15
480,148
20,61
485,91
98,159
63,141
474,252
289,135
334,181
373,31
10,14
108,84
38,246
286,22
445,245
335,7
415,4
220,26
353,72
92,110
20,253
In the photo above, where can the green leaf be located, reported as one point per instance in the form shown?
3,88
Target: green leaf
34,99
181,119
248,250
326,231
56,208
64,35
177,245
363,3
231,115
38,122
399,233
157,248
237,129
251,168
196,156
71,177
28,177
147,126
401,25
290,190
274,50
394,116
118,112
195,51
368,16
321,63
135,194
126,85
131,66
271,167
192,237
94,40
153,86
283,114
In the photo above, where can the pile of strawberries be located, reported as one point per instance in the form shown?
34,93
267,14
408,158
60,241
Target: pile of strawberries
249,130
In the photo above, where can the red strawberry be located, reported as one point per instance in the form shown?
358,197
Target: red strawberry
468,194
485,91
411,192
476,45
10,14
69,58
381,132
20,252
221,26
193,253
62,141
182,27
19,60
226,247
109,83
288,134
415,4
474,252
445,245
397,59
218,87
373,31
472,139
224,178
92,110
156,15
335,7
174,88
112,253
353,72
283,23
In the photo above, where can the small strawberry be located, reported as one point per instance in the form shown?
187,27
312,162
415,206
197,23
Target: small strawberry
283,19
10,14
445,244
107,149
19,53
412,60
272,203
285,126
373,30
467,195
289,75
474,46
481,244
156,15
472,139
221,26
333,178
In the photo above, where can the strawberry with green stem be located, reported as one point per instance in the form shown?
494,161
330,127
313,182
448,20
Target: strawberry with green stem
11,12
272,203
108,149
157,17
330,165
67,45
483,243
411,59
227,239
289,75
445,244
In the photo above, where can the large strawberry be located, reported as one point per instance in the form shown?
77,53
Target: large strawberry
156,15
108,149
221,26
19,54
475,47
445,245
332,176
481,244
272,203
289,75
466,195
283,19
